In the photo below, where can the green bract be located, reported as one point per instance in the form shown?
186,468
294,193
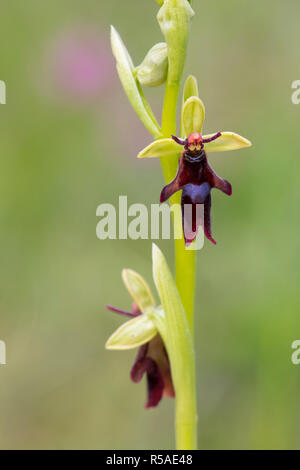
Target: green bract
134,93
168,294
153,70
179,343
174,19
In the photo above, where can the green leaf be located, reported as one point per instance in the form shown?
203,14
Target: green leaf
170,300
227,141
125,70
138,289
132,334
161,148
193,114
178,336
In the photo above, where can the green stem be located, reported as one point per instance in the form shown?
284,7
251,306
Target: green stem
185,268
186,400
168,127
185,260
186,412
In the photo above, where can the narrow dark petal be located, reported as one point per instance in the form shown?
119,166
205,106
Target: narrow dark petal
178,140
214,137
122,312
207,223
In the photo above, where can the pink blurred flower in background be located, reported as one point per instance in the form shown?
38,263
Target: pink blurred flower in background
79,65
78,71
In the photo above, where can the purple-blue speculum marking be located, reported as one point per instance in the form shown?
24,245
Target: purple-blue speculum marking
196,179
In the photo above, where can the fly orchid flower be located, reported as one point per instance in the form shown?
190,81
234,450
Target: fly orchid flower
195,177
152,358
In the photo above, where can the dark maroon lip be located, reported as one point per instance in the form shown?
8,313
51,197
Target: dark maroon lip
195,157
196,178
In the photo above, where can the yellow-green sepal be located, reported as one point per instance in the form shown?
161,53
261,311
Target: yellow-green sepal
132,334
138,289
227,141
193,114
161,148
190,88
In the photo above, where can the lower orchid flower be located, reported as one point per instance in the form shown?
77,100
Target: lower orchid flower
195,177
166,353
152,358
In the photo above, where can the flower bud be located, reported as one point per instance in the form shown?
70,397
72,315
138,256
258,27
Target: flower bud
153,70
174,20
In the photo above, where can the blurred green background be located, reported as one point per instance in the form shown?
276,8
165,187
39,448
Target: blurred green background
68,143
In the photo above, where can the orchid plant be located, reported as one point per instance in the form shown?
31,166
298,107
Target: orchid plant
164,332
